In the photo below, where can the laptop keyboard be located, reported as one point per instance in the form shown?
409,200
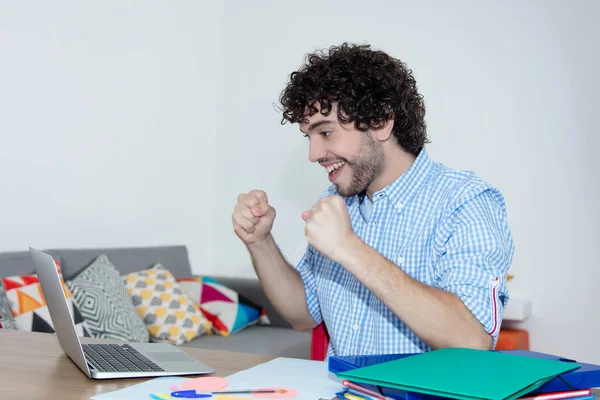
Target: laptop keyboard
118,358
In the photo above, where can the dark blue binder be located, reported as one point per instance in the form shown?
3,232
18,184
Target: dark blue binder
588,376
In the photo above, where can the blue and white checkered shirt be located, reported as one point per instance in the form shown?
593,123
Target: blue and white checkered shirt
445,228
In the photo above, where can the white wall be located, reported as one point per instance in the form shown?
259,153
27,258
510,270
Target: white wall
157,116
107,127
511,91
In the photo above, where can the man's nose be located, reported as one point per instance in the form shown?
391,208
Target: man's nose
316,150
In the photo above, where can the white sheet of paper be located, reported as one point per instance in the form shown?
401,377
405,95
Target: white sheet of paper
311,378
142,391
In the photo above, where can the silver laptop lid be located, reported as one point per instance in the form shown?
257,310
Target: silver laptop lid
58,308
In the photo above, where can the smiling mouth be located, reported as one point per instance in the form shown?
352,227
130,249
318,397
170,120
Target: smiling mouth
335,166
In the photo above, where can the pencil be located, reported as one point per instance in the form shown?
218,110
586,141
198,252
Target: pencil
251,391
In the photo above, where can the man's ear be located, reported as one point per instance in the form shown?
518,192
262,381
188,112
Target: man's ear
384,132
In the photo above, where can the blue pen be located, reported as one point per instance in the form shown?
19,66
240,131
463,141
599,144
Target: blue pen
190,394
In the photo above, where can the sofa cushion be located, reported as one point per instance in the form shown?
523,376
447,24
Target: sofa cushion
168,313
6,318
28,305
280,342
252,290
227,310
100,295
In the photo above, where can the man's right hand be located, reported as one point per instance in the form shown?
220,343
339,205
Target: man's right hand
253,218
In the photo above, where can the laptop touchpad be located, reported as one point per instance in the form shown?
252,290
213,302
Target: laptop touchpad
170,356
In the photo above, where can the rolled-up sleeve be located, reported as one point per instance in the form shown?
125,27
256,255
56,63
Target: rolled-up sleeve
476,255
306,269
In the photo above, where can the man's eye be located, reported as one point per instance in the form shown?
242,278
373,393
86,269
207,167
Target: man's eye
326,133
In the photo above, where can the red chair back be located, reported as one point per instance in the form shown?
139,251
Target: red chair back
319,343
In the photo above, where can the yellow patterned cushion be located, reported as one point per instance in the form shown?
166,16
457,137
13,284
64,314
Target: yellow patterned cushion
169,314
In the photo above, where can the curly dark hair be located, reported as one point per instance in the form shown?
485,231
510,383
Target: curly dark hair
369,87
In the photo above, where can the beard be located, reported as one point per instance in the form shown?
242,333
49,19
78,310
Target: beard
365,167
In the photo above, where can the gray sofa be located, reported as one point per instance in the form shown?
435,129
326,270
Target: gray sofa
277,339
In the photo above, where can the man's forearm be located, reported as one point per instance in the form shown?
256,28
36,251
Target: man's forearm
438,317
282,284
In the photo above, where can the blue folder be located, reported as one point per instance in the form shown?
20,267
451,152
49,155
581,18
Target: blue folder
588,376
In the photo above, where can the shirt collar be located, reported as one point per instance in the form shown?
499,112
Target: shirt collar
400,191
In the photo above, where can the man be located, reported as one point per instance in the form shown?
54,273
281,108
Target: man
405,254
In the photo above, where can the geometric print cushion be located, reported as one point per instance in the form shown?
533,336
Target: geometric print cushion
28,305
6,319
170,316
100,295
227,310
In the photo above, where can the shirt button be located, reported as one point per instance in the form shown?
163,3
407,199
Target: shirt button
374,222
494,283
355,327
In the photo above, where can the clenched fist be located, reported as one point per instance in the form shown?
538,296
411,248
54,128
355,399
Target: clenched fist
253,218
328,226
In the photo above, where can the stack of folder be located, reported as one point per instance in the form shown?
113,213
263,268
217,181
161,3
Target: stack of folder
457,373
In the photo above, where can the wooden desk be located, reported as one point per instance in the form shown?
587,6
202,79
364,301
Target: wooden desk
33,366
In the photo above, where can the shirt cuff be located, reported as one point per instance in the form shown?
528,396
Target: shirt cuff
486,301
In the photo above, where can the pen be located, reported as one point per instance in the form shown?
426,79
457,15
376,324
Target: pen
190,394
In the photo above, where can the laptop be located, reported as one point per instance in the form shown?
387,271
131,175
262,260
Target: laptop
107,361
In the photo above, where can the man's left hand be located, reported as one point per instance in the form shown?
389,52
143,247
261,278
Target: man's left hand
328,227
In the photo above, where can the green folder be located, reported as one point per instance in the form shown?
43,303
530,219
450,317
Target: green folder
463,373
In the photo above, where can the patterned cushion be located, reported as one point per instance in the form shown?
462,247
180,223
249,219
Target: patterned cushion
28,305
100,295
228,311
6,318
168,313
